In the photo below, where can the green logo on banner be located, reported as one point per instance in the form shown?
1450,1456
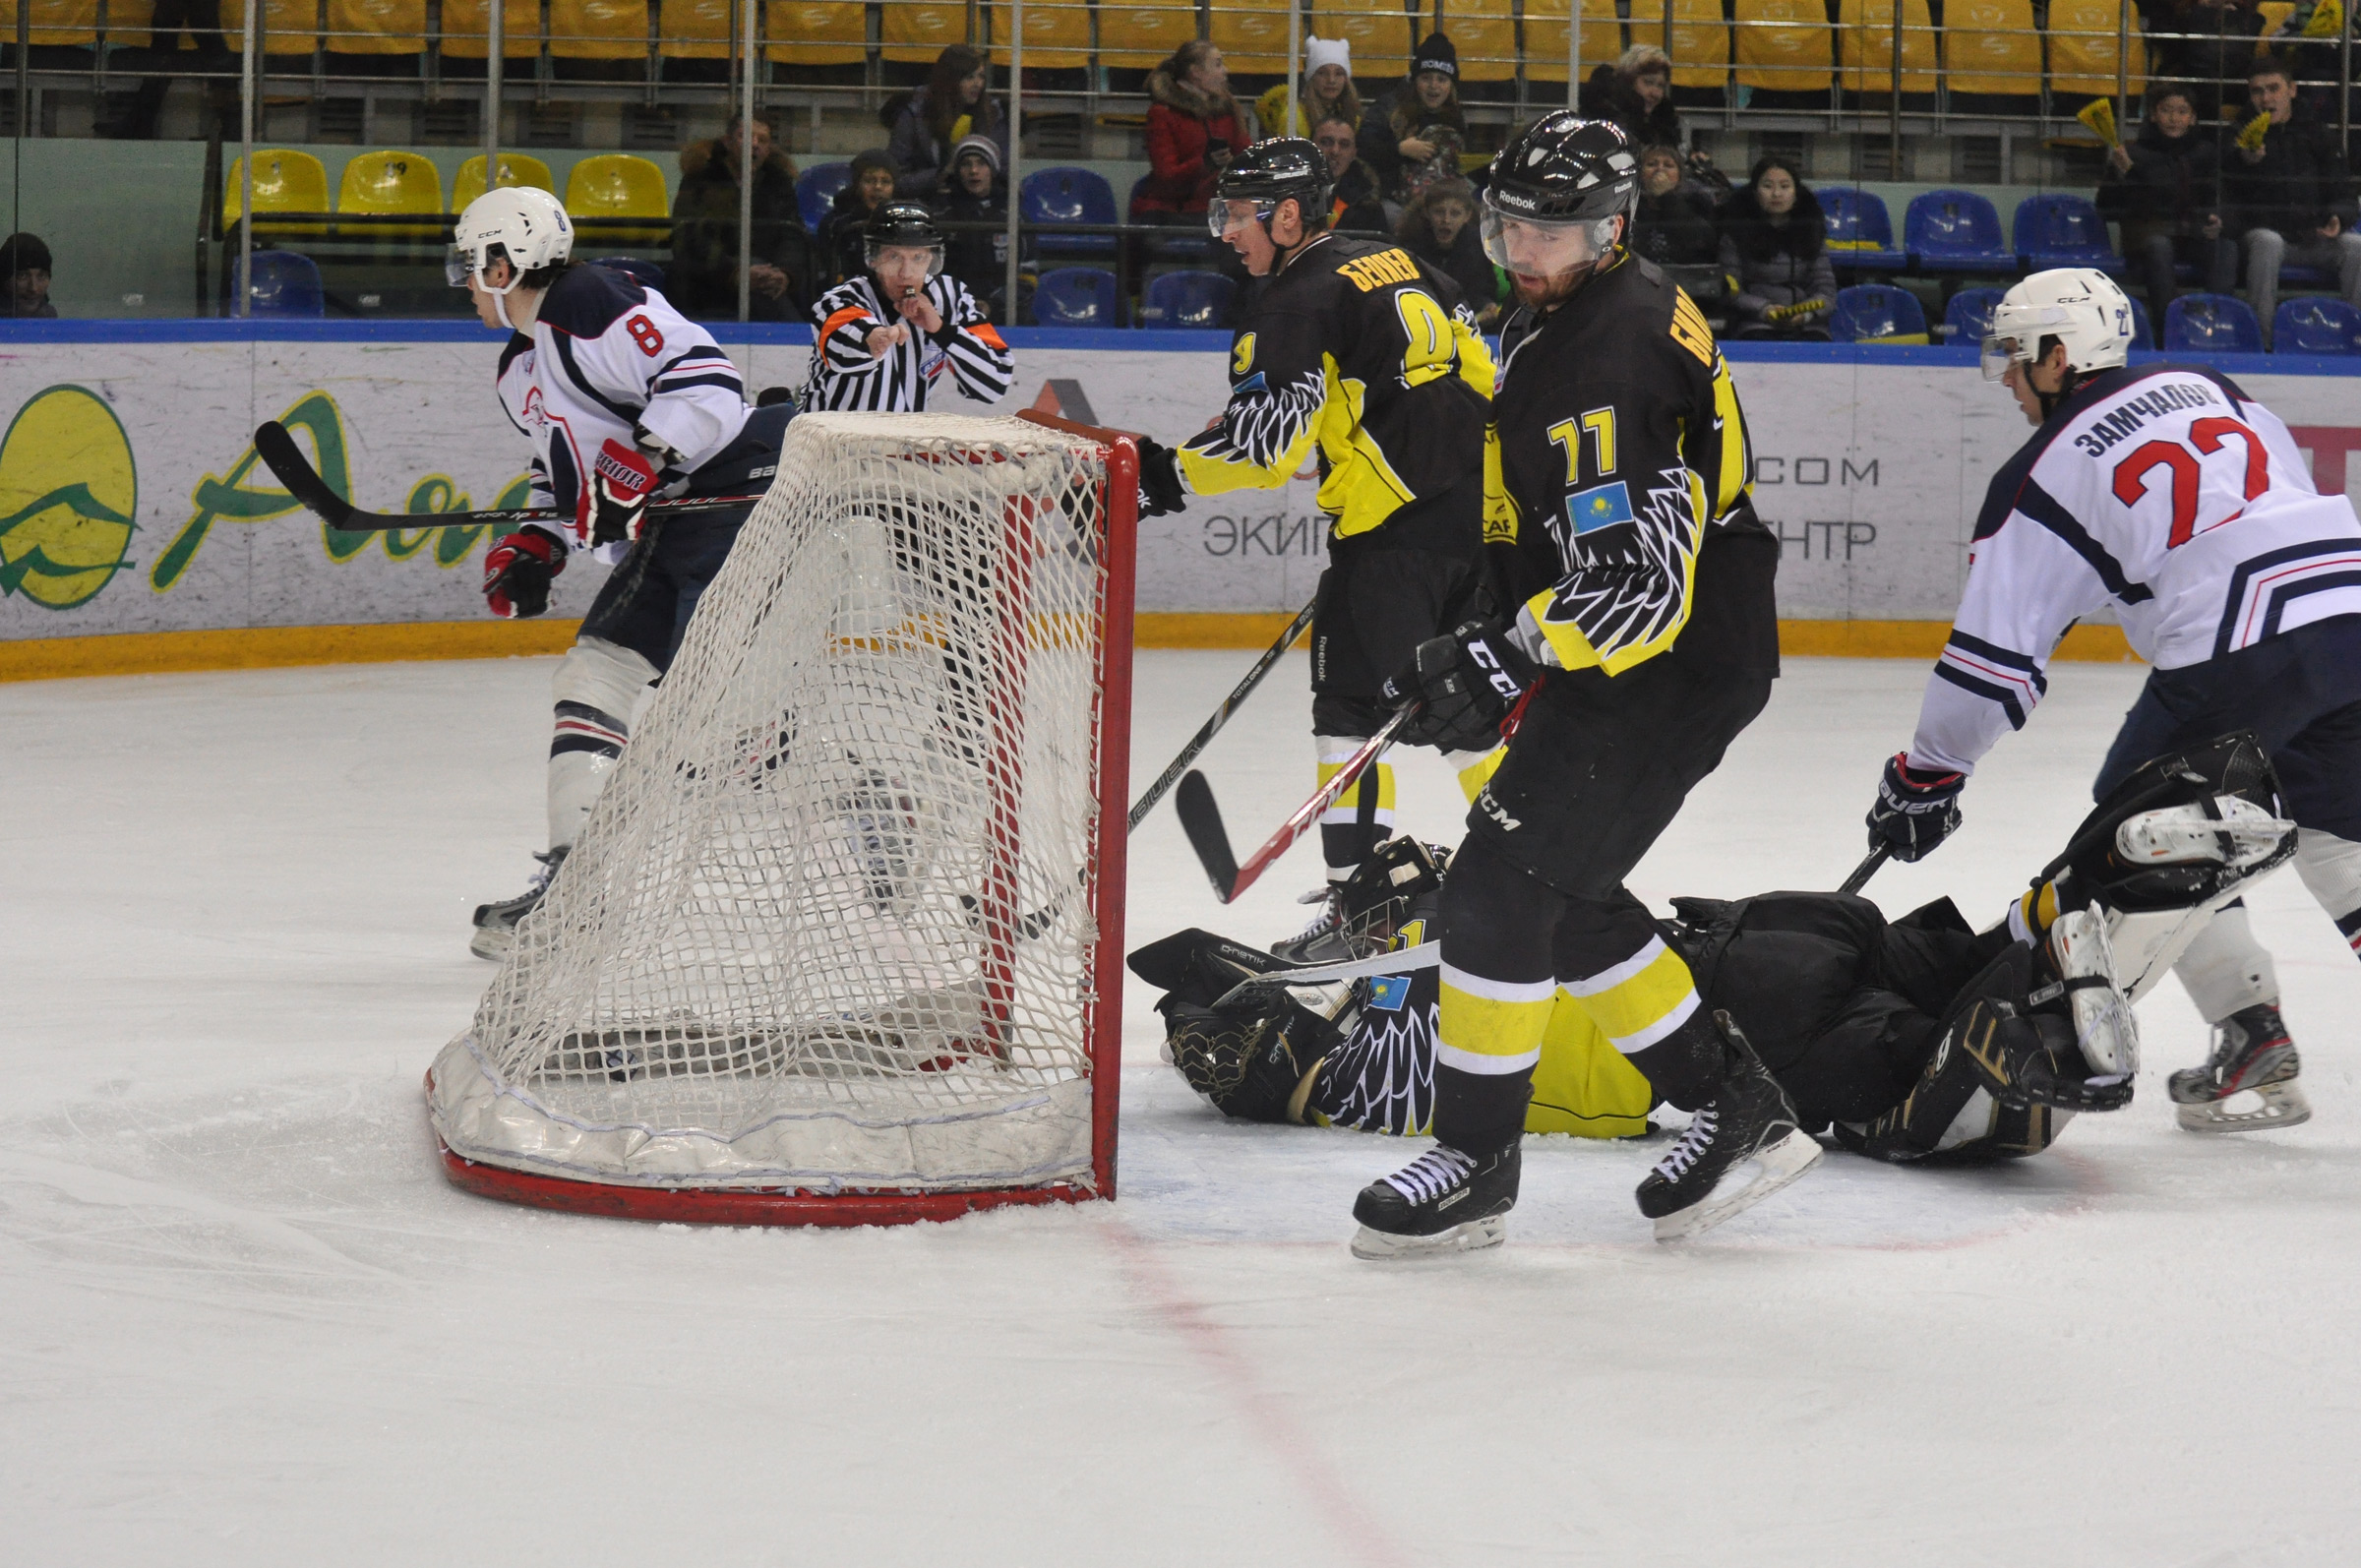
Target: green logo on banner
68,493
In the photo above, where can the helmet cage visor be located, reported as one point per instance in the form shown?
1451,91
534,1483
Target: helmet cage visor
1544,247
1226,213
873,251
465,259
2016,334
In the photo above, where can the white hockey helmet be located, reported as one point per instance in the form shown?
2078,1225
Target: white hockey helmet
522,223
2080,306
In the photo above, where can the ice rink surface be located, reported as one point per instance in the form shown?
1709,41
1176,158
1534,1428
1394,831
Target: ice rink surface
243,1321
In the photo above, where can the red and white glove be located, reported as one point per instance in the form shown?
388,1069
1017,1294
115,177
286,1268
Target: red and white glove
615,500
517,572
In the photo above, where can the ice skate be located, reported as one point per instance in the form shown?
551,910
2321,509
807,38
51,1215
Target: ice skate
1443,1201
1324,941
2252,1055
496,924
1750,1120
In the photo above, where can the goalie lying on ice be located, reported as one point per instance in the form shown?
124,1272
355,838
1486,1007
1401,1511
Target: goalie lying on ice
1907,1039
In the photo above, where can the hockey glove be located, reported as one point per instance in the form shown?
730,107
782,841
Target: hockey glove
621,481
1161,492
1469,680
1916,809
517,572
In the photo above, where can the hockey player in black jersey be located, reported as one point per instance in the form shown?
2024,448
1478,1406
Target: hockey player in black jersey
1640,638
625,400
1361,355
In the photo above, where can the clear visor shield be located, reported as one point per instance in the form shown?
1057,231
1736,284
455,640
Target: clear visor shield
1221,216
1539,249
878,253
459,266
1997,355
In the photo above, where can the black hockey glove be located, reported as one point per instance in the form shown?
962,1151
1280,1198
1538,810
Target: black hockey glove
517,572
1916,809
1469,681
1160,490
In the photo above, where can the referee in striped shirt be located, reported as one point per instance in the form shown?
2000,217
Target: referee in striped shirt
885,338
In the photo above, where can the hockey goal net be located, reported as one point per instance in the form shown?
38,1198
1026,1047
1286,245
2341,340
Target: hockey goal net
841,940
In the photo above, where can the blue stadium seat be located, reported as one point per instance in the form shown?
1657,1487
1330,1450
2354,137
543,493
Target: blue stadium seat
1053,196
2219,324
1187,299
1954,231
2144,334
817,187
1876,311
2315,327
1969,315
1178,243
284,283
1078,296
2063,229
1860,233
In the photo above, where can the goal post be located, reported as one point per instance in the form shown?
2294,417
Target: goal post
841,942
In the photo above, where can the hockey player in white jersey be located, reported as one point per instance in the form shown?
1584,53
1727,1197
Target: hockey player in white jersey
884,338
625,400
2168,494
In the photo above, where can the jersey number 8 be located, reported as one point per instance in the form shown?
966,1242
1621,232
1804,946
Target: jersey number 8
644,333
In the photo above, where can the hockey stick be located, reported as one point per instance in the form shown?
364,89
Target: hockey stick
1394,961
278,451
1866,870
1221,715
1202,818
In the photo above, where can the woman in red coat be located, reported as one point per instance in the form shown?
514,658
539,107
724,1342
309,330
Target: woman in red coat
1194,127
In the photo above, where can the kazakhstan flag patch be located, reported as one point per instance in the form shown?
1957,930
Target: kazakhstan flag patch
1387,993
1601,507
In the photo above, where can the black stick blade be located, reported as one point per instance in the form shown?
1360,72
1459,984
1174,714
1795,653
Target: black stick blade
1201,819
278,451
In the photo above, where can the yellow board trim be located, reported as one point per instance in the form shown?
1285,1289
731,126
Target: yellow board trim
280,647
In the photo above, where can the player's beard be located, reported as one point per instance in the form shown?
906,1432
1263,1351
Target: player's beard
1548,293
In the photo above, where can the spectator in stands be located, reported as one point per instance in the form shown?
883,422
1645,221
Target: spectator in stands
1636,94
1439,228
2166,190
24,264
978,258
2216,39
1326,90
1194,127
1355,206
840,243
1774,252
704,277
1414,137
951,107
1675,224
2283,177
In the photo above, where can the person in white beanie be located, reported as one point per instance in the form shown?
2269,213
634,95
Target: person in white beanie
1325,91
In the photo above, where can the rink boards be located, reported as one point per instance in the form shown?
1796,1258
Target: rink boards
131,500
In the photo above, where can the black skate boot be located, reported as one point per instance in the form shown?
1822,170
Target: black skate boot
1443,1201
1324,941
496,924
1749,1118
2252,1053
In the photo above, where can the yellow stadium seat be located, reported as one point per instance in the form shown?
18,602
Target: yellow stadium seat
289,26
1057,33
1253,34
693,29
1484,33
66,24
466,22
391,182
1700,47
818,32
1865,46
1379,32
616,185
375,27
1783,46
1139,36
1545,37
284,181
2081,48
914,30
1992,46
599,29
516,168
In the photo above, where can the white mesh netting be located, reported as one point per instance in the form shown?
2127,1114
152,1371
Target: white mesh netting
831,923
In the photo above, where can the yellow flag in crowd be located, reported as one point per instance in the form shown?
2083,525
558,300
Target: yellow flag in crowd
2099,115
2250,135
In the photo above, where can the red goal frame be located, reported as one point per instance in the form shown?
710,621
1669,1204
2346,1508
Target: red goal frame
1104,1044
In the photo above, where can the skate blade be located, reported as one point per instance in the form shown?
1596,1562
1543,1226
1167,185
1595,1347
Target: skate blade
490,941
1377,1246
1780,1162
2277,1105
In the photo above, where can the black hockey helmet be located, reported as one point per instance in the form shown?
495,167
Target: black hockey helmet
1269,173
1562,172
901,223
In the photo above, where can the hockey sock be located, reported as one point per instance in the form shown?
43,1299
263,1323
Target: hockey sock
596,685
2331,868
1497,990
2224,969
1355,824
1640,994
